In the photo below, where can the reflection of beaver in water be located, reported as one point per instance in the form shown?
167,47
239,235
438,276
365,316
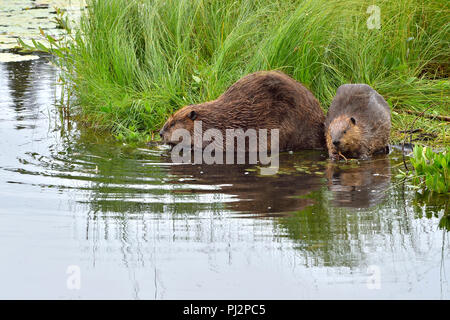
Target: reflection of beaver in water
261,100
359,186
249,192
358,122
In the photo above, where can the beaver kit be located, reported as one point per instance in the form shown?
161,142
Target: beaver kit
358,123
261,100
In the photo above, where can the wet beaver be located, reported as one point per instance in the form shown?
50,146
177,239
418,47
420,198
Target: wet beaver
261,100
358,123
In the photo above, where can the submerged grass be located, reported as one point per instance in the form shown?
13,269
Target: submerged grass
133,63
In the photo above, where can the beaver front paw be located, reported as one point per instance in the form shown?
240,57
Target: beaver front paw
334,156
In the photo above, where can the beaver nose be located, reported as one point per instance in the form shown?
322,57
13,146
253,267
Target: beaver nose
161,133
336,143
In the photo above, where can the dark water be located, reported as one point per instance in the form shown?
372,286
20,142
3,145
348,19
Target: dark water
134,226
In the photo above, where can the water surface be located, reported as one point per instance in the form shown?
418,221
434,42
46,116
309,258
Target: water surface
139,227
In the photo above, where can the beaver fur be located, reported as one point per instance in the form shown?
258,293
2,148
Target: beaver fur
358,123
260,100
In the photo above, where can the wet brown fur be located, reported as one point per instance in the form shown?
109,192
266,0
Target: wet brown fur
359,120
261,100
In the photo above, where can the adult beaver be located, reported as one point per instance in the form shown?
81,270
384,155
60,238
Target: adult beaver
261,100
358,122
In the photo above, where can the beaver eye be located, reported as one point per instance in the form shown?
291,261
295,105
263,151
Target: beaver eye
192,115
345,131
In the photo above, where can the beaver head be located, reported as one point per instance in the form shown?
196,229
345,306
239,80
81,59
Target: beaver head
344,137
182,119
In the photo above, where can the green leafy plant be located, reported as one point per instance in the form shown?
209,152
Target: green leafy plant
431,169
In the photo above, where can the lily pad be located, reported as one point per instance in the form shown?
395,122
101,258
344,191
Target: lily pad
19,19
11,57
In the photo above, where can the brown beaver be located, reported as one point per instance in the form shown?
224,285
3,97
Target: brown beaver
261,100
358,123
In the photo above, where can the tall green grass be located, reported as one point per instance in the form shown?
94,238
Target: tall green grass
133,63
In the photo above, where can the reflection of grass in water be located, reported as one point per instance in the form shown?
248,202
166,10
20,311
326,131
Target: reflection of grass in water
444,223
328,235
430,204
323,232
136,62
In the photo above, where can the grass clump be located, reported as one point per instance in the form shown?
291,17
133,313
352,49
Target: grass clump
133,63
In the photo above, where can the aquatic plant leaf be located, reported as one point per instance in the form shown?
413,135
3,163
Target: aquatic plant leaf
11,57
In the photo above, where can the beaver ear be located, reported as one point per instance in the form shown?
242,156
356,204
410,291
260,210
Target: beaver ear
353,120
192,115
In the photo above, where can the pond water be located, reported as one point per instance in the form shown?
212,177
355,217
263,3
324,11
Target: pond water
129,224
